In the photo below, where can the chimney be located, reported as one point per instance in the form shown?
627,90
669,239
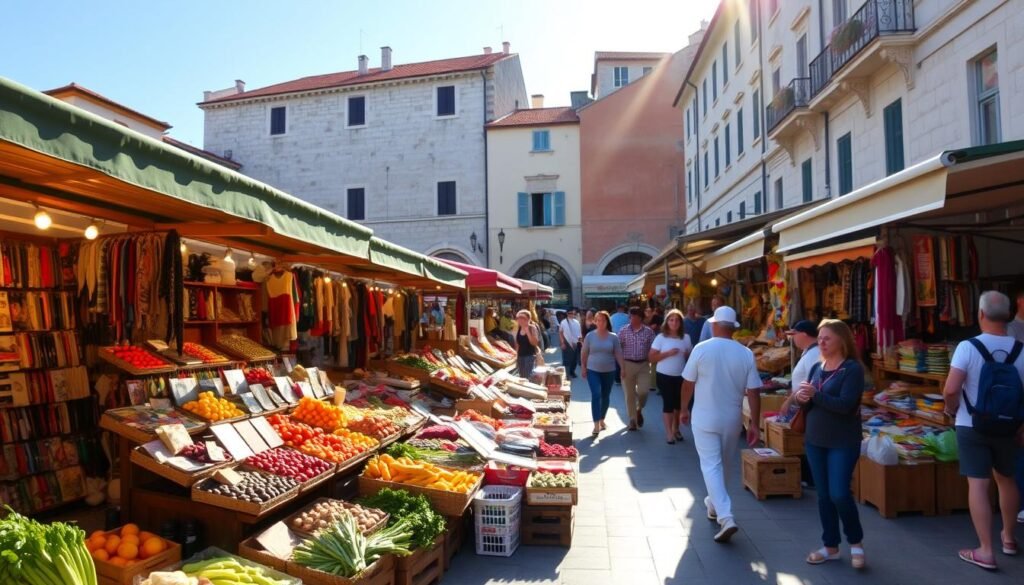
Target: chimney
537,101
385,58
488,50
206,95
239,85
505,47
364,64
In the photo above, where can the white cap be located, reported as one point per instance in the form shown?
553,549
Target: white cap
725,315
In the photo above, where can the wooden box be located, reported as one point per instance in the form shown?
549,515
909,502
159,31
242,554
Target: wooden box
447,503
563,438
454,535
111,574
547,525
781,438
898,488
484,407
771,476
950,488
381,572
254,551
423,567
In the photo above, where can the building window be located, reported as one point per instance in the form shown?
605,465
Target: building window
743,210
838,12
687,123
694,110
446,198
355,204
646,70
725,63
893,120
986,76
689,186
845,157
446,101
736,41
757,114
627,263
705,169
278,120
541,140
806,171
757,203
739,131
356,112
541,209
704,90
714,81
728,141
620,76
780,199
728,217
718,221
776,81
752,16
716,157
801,56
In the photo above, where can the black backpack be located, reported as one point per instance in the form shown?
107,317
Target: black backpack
999,410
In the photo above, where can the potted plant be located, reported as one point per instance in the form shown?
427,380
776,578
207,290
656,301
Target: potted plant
783,100
846,34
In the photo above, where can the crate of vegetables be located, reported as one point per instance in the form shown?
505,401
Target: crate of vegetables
552,484
213,565
324,512
450,491
309,471
552,421
195,453
257,493
342,555
552,452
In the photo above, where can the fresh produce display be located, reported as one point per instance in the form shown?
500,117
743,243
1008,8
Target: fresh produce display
551,419
197,452
374,426
436,444
472,415
293,434
549,450
327,512
485,348
335,448
319,414
213,408
258,488
343,550
259,375
415,361
173,578
125,546
414,509
358,439
445,453
502,347
521,412
546,479
289,463
245,347
137,357
43,554
420,473
228,571
202,353
438,432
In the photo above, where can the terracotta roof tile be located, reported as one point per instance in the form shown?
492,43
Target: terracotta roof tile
344,78
537,117
74,88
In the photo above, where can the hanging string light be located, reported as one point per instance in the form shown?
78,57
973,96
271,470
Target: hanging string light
92,231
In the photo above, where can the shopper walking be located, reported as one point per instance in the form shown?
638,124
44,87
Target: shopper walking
717,375
636,339
668,354
600,355
569,336
1016,327
527,343
985,365
693,323
619,320
832,396
589,324
705,332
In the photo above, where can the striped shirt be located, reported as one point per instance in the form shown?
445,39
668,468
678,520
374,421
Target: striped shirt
636,344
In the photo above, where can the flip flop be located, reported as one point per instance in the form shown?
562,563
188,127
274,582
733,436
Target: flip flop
967,556
1010,548
821,556
857,557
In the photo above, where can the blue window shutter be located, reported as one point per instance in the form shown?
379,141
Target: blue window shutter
559,207
524,210
536,140
893,120
739,131
547,209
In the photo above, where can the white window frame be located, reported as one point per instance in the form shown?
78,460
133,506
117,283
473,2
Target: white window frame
980,97
433,110
458,203
534,131
366,199
366,111
270,117
616,78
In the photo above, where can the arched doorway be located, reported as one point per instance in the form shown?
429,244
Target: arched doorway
453,256
548,273
628,263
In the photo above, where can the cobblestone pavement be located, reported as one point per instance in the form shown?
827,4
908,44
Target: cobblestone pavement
640,521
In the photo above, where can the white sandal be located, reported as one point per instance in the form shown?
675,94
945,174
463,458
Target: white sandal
857,558
822,556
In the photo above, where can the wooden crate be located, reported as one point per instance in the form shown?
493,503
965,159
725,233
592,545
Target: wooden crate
447,503
423,567
381,572
111,574
771,476
894,489
547,525
454,535
950,488
781,438
251,549
563,438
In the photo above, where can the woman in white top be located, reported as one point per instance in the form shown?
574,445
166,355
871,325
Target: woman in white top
669,352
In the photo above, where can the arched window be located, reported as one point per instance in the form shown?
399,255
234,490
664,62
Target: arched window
548,273
453,256
628,263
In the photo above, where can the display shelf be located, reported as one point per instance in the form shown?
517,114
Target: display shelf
925,417
40,472
238,287
941,379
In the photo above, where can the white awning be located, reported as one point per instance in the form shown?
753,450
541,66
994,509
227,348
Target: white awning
743,250
636,285
606,286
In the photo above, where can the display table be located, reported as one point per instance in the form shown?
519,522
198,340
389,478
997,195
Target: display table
894,489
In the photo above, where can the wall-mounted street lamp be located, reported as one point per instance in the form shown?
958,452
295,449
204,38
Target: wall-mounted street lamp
501,246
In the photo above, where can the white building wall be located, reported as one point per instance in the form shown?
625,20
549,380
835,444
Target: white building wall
606,73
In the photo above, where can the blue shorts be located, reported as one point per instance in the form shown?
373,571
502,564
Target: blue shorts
980,454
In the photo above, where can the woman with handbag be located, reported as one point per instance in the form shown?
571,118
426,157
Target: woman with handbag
830,405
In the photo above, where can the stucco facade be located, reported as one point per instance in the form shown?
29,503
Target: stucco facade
397,156
613,69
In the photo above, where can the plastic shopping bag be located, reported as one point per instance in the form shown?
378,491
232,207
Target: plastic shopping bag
943,446
882,450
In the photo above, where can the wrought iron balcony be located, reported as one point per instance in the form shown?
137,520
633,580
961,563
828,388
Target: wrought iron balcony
876,18
795,95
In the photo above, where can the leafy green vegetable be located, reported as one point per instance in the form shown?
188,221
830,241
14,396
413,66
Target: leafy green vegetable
43,554
413,509
464,460
343,550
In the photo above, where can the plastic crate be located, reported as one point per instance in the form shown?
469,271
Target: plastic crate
497,505
497,541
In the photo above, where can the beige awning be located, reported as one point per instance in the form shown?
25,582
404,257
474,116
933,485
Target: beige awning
743,250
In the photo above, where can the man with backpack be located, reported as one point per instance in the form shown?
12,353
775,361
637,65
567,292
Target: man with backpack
985,392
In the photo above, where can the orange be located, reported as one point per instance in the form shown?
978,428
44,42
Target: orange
127,551
129,529
112,543
118,561
100,555
131,538
98,541
152,547
98,533
144,536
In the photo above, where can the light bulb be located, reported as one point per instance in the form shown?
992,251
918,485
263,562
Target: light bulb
252,260
92,232
327,279
714,282
183,248
438,287
344,285
43,220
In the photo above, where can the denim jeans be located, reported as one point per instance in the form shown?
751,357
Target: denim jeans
600,392
1019,474
569,360
833,471
525,365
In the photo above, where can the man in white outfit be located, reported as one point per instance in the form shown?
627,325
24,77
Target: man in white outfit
720,371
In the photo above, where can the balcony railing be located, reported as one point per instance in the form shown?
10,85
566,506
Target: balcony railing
795,95
875,18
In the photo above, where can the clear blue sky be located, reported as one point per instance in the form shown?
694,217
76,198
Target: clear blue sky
158,56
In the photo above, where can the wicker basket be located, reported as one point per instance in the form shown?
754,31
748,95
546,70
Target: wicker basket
250,508
446,503
169,472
